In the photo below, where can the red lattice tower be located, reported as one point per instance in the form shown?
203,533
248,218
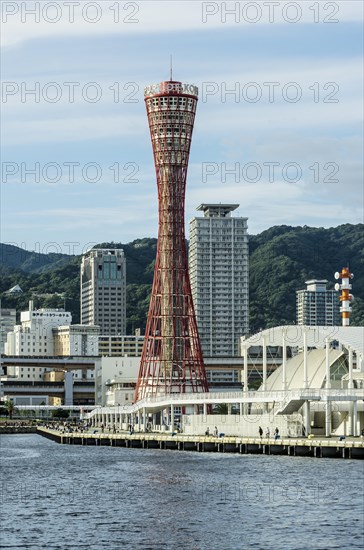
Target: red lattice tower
171,360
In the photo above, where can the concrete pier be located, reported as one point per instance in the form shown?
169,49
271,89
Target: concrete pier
315,448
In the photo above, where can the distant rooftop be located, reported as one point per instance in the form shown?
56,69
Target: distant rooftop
14,290
217,210
316,285
93,252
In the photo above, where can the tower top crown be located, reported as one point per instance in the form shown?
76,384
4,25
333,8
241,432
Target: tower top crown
171,87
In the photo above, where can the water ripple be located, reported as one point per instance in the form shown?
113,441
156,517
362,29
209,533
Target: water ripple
83,498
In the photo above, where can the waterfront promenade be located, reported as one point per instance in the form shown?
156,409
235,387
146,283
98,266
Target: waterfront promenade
351,448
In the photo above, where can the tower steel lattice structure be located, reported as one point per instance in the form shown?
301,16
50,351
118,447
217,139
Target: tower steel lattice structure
171,359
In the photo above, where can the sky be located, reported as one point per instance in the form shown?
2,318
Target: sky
278,128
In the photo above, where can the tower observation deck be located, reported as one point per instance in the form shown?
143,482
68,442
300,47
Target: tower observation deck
171,359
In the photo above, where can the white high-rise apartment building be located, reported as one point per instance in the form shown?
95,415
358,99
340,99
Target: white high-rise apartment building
317,306
103,290
219,274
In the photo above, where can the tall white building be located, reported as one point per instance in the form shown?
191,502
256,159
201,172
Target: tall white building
219,274
317,306
103,290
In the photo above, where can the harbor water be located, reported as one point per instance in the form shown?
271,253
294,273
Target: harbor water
74,497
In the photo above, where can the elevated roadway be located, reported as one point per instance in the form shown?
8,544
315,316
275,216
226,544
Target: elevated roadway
64,363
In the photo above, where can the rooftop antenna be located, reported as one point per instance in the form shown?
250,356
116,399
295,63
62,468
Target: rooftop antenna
171,70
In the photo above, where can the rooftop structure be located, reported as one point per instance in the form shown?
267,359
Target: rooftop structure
217,210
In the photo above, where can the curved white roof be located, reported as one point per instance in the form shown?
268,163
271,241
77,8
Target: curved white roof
351,337
316,369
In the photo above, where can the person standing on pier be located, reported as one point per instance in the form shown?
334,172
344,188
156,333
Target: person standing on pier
267,433
260,432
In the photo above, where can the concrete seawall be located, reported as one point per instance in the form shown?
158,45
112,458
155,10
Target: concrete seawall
18,430
317,448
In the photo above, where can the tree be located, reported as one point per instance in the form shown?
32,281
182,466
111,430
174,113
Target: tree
10,407
4,411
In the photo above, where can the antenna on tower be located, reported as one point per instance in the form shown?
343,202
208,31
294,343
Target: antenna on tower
171,70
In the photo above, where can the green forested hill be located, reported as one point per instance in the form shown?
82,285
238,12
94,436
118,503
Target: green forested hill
281,260
31,262
36,280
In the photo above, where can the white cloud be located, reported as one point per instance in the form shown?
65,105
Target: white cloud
156,17
29,121
276,204
72,129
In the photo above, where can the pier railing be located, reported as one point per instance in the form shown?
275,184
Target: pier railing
211,398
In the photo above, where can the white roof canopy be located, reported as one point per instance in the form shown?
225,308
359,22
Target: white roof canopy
350,337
